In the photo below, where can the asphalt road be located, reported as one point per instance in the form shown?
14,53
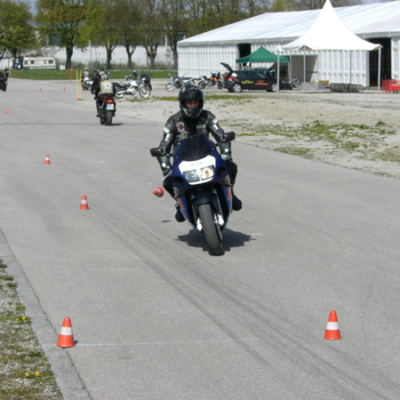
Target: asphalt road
156,317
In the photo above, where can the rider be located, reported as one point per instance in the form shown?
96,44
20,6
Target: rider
103,89
95,79
193,120
85,73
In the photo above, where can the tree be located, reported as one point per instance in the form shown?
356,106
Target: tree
130,20
62,21
177,22
153,26
299,5
15,31
102,23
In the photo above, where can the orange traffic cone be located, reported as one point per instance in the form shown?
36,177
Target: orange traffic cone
47,159
84,203
40,89
332,329
159,192
64,89
66,338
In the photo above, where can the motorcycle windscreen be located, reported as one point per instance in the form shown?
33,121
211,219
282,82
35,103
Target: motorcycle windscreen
194,148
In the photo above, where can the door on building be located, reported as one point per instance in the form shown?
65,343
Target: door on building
386,61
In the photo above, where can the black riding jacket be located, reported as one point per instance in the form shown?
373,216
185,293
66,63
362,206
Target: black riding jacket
179,126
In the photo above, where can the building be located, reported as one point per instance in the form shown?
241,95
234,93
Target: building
376,23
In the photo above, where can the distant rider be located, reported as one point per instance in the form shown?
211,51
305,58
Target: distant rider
95,79
85,74
193,120
103,89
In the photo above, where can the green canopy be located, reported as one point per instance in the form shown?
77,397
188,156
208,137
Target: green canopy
262,55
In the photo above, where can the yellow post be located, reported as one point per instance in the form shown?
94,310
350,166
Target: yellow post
78,86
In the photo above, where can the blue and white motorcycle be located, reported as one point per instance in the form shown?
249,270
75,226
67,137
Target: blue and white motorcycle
202,186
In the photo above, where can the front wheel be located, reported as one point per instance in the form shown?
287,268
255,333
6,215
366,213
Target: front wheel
211,230
202,85
179,85
144,91
236,88
109,116
169,87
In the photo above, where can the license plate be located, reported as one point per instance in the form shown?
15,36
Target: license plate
110,106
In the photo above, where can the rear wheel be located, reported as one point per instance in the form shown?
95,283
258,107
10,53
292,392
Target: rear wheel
211,230
219,84
144,91
236,88
109,116
119,94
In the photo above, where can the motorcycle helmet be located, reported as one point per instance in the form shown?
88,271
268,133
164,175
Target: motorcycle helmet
190,92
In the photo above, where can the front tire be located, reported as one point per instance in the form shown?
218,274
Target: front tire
211,230
109,116
169,87
202,85
236,88
144,91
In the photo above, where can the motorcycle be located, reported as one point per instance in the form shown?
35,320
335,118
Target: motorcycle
131,88
178,82
215,79
107,110
202,186
3,83
86,84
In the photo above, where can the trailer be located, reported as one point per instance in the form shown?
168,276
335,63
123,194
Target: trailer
36,63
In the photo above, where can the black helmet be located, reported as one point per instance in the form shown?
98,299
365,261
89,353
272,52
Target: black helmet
191,92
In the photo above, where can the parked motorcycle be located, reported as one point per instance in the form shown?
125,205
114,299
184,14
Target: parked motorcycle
214,80
131,88
178,82
202,186
107,110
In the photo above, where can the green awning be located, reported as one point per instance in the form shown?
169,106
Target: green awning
262,55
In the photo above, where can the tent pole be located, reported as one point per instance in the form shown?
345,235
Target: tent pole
279,70
304,68
350,71
379,70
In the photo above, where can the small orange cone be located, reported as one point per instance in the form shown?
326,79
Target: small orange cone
332,329
6,110
47,159
40,89
64,89
159,192
79,97
84,203
66,338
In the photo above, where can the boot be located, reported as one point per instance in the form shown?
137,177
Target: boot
179,216
236,203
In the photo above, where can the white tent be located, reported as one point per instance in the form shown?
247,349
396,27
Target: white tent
329,33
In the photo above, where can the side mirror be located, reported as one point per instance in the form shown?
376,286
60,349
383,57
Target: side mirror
157,152
228,137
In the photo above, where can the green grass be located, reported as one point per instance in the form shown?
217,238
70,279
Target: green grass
41,74
25,372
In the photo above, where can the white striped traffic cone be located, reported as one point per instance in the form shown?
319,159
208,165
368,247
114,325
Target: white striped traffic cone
66,338
332,329
84,203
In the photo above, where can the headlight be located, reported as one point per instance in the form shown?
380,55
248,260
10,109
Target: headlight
191,176
207,172
202,174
